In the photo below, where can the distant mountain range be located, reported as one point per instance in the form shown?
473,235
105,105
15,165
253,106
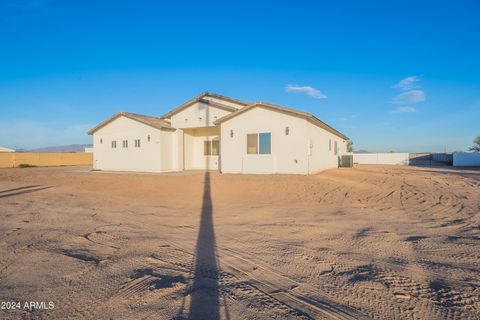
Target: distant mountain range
68,148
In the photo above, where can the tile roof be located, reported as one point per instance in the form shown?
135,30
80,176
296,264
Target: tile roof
154,122
200,98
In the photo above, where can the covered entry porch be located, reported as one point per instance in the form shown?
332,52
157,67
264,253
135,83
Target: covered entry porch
201,148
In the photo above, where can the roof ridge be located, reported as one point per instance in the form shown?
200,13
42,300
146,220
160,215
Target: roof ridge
155,122
140,114
199,97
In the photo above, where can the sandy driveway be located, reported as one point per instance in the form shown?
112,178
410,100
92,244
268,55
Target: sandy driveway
368,242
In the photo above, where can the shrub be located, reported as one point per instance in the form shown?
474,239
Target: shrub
25,165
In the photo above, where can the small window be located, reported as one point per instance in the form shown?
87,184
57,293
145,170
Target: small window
287,131
259,143
137,143
101,140
148,138
215,147
252,143
125,143
114,144
330,145
231,133
335,146
211,148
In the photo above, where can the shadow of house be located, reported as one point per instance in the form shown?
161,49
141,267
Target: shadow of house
21,190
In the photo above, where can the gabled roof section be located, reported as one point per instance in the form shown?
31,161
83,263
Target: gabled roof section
201,98
148,120
305,115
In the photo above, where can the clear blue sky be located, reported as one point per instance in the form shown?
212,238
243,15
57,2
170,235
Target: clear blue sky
67,65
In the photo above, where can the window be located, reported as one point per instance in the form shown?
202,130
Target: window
215,147
148,138
259,143
330,145
287,131
101,140
252,143
211,148
114,144
264,140
335,146
125,143
137,143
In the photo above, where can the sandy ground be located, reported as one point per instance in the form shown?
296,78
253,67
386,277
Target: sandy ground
380,242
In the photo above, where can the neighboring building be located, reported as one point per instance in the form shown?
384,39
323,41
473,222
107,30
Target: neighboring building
3,149
218,133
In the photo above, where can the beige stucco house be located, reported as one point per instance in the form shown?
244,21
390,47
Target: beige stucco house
215,132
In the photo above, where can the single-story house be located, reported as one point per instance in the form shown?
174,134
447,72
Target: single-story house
214,132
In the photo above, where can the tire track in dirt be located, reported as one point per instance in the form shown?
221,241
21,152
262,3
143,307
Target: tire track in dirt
293,294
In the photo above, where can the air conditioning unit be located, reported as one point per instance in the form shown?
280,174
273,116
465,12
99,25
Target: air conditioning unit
346,161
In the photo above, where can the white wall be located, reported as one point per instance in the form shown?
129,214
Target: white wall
322,156
146,158
466,159
178,149
197,115
288,152
382,158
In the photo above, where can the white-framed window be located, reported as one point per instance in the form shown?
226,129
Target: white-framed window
114,144
211,147
125,143
137,143
259,143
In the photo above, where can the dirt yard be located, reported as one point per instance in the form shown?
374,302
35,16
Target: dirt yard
379,242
